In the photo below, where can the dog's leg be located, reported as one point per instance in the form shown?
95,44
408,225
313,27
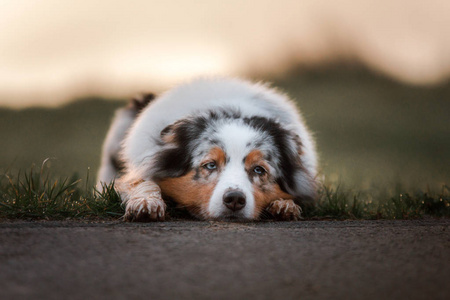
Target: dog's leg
285,210
142,199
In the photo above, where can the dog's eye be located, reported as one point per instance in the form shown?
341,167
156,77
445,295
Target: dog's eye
210,166
259,170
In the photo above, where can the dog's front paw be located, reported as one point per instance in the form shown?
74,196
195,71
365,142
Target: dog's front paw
285,210
145,210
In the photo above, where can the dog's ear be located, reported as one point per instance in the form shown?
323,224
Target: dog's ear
294,177
168,133
175,161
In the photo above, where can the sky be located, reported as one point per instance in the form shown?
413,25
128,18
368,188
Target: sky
52,51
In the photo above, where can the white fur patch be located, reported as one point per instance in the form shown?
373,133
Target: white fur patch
235,139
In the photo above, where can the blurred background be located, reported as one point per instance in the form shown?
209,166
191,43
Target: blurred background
371,77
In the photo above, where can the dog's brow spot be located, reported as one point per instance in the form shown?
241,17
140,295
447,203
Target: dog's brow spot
253,157
218,155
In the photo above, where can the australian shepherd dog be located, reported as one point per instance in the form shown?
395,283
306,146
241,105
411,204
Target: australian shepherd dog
224,149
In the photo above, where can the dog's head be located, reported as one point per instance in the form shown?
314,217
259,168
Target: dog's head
224,166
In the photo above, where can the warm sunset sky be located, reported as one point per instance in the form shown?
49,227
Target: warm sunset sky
54,50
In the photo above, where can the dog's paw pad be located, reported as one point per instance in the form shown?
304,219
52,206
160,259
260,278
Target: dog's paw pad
145,210
285,210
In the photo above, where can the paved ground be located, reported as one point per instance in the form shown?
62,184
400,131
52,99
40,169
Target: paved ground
200,260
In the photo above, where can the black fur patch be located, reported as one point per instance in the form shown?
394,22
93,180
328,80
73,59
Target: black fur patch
176,161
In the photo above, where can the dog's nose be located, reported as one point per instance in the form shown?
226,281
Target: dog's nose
234,200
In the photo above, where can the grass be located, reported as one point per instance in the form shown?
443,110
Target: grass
336,202
39,195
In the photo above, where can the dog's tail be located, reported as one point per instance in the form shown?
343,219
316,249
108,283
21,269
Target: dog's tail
111,163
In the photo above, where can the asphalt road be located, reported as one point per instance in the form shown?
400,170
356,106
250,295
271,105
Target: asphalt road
215,260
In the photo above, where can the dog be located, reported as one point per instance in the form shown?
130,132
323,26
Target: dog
222,148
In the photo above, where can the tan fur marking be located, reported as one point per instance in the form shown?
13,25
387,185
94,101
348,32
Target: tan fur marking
168,135
168,138
254,158
191,194
216,154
